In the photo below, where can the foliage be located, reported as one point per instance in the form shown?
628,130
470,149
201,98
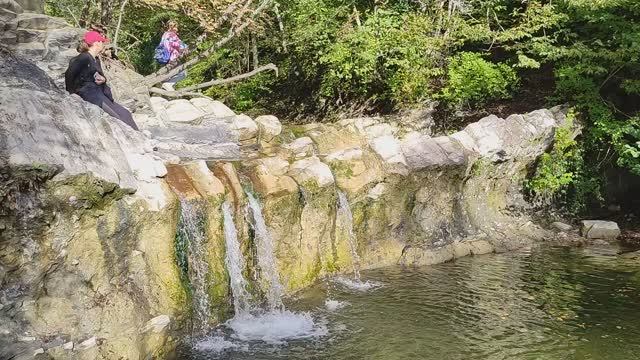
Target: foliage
471,79
561,176
352,57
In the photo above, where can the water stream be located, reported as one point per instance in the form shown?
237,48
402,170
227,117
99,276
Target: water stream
346,223
234,261
251,323
550,303
266,256
192,238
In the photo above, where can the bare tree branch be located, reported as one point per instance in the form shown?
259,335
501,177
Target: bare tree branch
280,26
165,74
207,84
75,19
115,37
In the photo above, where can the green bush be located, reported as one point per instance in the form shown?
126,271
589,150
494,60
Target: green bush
561,177
474,80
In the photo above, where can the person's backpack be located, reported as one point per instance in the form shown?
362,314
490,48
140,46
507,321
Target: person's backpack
161,55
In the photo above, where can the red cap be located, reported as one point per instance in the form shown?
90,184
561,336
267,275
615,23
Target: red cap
93,36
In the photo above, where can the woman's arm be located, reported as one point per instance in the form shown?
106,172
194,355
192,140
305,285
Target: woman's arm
76,65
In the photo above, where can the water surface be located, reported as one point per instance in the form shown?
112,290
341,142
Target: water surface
553,303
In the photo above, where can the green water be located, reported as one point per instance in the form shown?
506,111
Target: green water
552,303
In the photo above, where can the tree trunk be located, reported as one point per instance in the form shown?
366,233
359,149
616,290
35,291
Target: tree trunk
84,15
106,12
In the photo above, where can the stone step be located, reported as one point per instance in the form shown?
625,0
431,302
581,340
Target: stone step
11,5
7,15
9,38
8,26
39,22
25,36
34,51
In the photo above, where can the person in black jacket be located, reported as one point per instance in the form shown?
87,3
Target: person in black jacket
85,77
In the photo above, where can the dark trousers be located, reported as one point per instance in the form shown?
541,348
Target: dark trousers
119,112
100,95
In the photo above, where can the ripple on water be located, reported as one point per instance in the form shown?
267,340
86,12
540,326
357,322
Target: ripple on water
547,304
357,285
216,344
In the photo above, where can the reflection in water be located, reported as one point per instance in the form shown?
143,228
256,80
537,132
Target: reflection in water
548,304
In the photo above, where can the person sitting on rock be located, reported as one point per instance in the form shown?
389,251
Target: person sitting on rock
85,77
169,52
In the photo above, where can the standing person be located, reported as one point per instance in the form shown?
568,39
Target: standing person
85,77
169,52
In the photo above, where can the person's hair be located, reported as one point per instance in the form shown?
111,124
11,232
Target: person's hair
83,47
172,25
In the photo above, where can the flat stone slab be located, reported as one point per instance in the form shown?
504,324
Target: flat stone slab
209,141
600,229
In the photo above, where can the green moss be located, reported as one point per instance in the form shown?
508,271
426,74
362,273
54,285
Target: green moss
341,169
89,191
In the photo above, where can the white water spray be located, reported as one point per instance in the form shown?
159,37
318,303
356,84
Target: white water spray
235,263
266,257
346,220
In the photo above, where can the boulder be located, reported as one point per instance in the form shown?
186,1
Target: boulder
311,170
182,111
39,22
203,179
300,147
270,181
88,344
206,141
157,324
560,226
390,151
424,151
377,191
212,107
246,127
354,169
269,126
599,229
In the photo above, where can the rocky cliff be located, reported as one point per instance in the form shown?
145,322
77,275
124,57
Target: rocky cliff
93,219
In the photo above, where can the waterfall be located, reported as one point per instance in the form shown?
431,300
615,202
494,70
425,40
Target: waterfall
344,213
235,263
266,257
273,325
192,239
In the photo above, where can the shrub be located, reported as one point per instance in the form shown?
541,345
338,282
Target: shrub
474,80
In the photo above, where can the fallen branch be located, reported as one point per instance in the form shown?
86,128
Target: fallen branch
254,72
165,74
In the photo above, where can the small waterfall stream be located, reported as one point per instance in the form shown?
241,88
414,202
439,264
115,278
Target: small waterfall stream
346,223
274,324
235,263
192,238
266,256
